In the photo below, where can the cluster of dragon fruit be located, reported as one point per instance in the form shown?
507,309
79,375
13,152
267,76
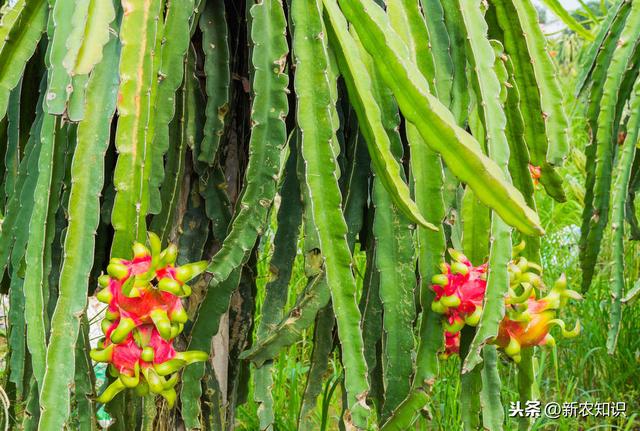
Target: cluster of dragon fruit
144,315
459,295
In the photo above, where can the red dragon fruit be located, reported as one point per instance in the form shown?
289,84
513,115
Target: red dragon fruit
451,344
528,320
143,316
460,290
536,174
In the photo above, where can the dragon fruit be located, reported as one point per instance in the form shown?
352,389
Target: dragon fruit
143,316
451,344
528,320
459,295
536,174
459,292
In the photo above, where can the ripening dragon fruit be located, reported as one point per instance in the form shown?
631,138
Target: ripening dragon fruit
460,290
528,320
143,316
451,344
536,173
